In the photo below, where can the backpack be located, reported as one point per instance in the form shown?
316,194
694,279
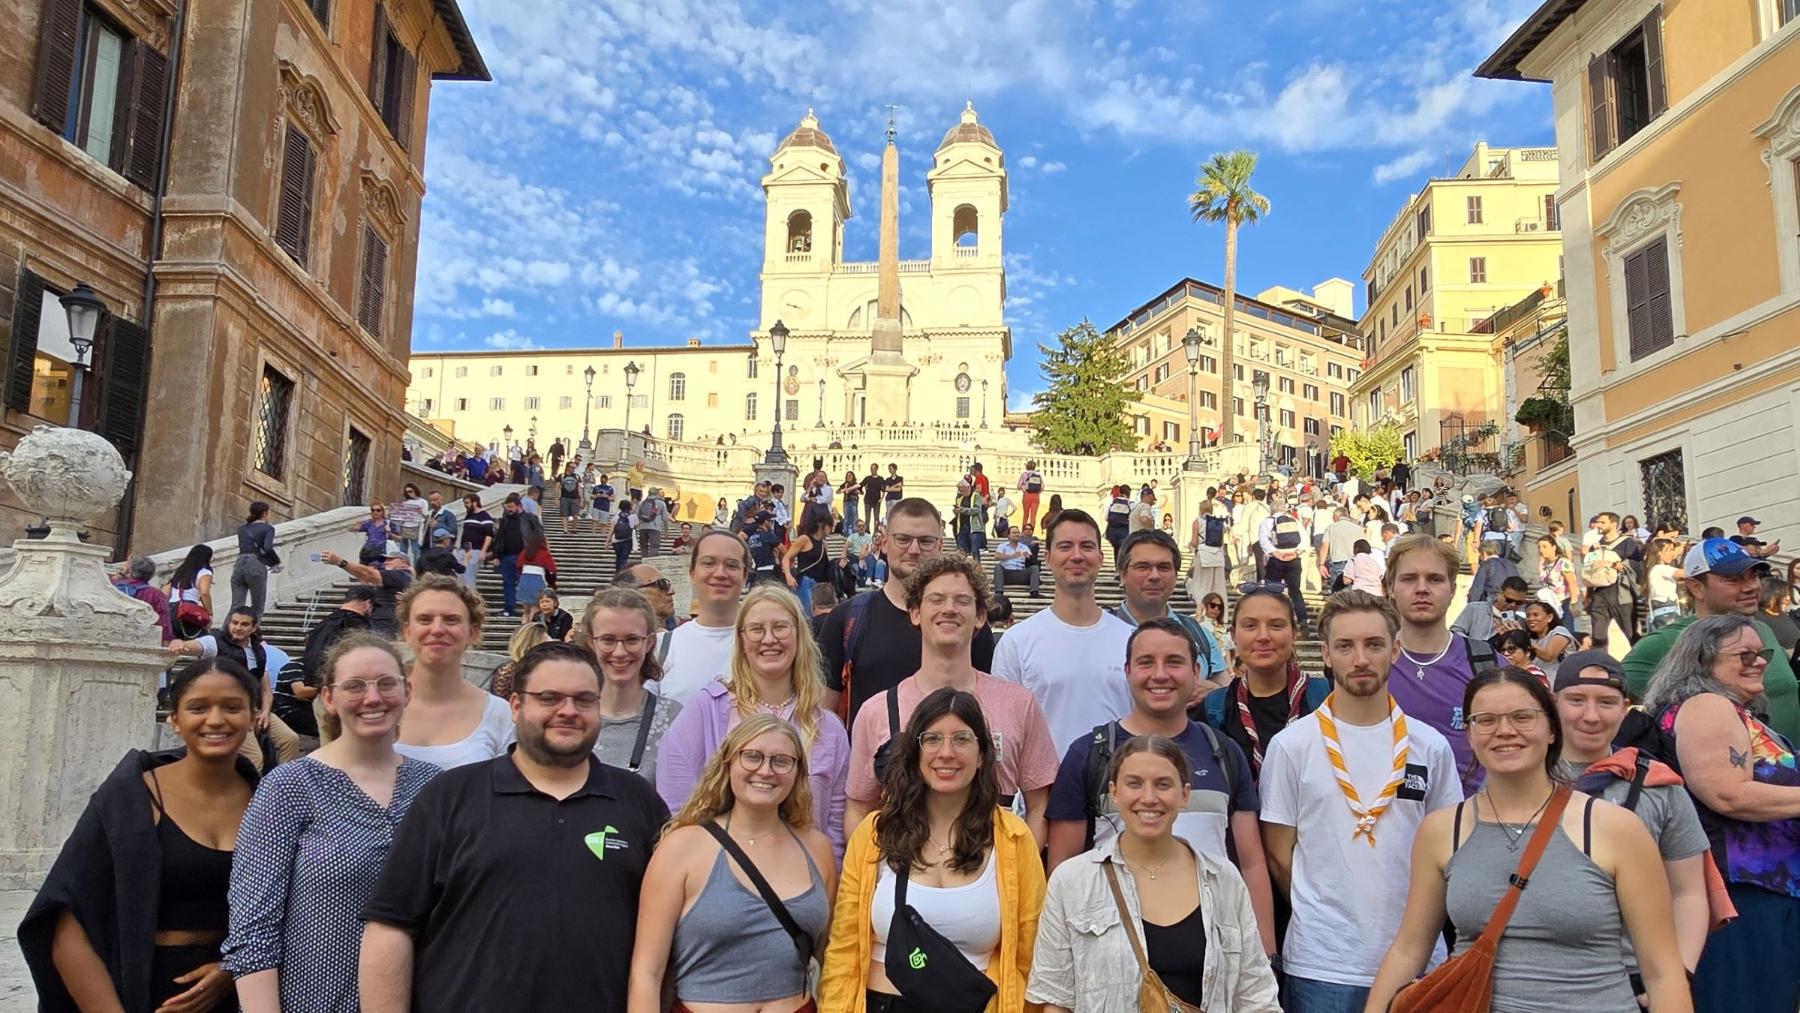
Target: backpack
646,510
1119,511
1497,518
1212,708
571,484
1480,654
1286,532
856,610
1214,532
1034,482
1100,752
886,749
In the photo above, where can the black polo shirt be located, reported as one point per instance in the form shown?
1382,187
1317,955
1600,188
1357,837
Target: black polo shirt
517,901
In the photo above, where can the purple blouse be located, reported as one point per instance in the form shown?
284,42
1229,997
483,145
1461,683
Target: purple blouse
701,726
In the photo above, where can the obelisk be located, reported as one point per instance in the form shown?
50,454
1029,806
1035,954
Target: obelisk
886,373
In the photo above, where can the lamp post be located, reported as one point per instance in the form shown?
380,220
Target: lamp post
778,335
631,374
1190,346
1261,387
84,310
507,433
533,430
587,411
984,384
821,424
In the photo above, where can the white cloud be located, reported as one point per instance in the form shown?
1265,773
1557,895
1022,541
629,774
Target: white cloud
1402,167
1051,168
509,339
1028,161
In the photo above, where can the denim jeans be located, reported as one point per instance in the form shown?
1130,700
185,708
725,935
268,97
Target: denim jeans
509,583
849,525
1306,995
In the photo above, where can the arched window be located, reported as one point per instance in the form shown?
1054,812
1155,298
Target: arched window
750,407
799,232
676,426
965,226
677,386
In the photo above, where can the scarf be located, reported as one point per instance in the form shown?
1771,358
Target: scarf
1296,694
1366,816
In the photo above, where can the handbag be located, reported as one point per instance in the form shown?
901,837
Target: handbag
1465,982
928,969
1153,996
193,615
803,942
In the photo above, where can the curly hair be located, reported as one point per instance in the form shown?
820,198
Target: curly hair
809,684
713,797
933,567
627,599
903,826
449,585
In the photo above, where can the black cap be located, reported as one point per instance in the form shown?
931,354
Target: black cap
1569,671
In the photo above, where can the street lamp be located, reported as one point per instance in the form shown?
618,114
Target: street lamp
1190,346
778,335
533,429
984,384
1261,388
821,424
507,432
84,310
632,370
587,411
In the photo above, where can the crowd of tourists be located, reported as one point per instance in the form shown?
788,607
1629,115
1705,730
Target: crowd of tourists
898,802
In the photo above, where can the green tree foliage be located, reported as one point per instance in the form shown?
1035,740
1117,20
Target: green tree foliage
1369,449
1083,412
1223,195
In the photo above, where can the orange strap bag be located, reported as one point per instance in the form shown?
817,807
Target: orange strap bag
1465,982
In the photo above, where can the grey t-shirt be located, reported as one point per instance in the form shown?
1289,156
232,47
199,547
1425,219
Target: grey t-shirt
619,735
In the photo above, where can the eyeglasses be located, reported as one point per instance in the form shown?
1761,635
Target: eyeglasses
630,643
963,741
387,685
660,583
752,760
1749,658
1524,719
550,699
1267,586
961,601
926,543
778,630
729,565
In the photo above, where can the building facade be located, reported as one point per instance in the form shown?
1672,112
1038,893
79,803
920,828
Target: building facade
1678,141
1305,347
955,340
239,182
1459,250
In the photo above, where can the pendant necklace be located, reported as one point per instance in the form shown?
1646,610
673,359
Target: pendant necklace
1420,666
1515,838
748,840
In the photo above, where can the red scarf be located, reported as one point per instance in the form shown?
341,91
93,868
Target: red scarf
1296,694
1622,764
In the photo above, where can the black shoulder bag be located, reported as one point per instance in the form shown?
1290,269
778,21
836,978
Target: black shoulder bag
645,716
803,943
886,749
927,968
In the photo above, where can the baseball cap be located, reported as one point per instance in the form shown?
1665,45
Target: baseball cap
1721,556
1569,671
1747,519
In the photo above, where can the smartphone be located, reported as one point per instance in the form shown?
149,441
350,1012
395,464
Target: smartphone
318,557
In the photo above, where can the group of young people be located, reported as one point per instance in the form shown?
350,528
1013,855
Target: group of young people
896,814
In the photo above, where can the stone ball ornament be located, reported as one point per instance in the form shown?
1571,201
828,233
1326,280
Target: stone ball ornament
70,476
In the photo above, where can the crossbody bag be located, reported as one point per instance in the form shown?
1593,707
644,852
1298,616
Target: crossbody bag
930,972
1153,996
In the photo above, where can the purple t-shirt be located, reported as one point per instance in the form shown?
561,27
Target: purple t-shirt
1434,695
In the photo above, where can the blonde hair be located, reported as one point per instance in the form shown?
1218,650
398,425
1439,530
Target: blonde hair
449,585
525,638
1352,600
345,644
1445,553
713,797
809,685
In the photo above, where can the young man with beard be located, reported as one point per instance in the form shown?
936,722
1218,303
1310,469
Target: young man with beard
1150,565
1072,654
698,652
544,847
1434,663
1343,792
869,643
947,601
1161,671
1723,579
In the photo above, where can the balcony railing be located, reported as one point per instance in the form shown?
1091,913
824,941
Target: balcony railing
966,252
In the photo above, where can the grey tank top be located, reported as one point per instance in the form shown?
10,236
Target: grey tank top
730,929
1561,950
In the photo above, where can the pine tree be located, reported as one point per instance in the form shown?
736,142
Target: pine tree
1083,412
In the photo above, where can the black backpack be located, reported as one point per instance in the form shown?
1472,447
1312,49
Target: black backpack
1034,482
1100,753
1497,518
1214,532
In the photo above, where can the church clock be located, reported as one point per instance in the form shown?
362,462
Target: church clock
962,383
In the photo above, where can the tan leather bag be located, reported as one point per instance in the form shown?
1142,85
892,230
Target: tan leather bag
1465,982
1153,995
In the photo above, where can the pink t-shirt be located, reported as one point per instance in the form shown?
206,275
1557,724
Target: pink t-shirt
1028,758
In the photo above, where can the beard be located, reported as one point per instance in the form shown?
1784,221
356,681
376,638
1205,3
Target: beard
537,745
1377,688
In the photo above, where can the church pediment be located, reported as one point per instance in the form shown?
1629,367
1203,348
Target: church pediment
801,173
855,368
965,167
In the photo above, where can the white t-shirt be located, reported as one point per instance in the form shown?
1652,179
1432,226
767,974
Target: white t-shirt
1348,896
697,655
492,734
1077,673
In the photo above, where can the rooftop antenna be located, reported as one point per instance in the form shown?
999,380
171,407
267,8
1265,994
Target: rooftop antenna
890,127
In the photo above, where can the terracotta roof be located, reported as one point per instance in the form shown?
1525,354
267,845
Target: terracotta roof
1504,63
807,135
970,129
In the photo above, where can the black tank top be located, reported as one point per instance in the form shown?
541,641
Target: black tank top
807,563
194,881
1177,953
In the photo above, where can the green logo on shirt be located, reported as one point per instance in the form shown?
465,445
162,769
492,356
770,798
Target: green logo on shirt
601,841
916,959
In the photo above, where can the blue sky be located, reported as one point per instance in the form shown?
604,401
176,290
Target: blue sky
608,178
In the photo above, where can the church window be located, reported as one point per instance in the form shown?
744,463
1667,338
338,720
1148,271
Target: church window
750,405
676,425
712,399
531,404
962,407
677,386
799,232
792,410
565,402
750,370
965,227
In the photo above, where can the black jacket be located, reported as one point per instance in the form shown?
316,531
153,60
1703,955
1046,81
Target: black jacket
509,534
438,560
107,876
318,642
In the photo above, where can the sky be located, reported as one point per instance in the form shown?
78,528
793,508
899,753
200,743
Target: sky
609,177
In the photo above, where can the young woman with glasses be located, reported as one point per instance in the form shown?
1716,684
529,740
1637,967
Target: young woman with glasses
701,918
619,627
774,670
1599,879
314,839
973,871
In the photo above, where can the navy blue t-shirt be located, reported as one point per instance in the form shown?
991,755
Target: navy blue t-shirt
1203,823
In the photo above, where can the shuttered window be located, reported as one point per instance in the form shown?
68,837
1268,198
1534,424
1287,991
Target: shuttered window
1626,87
100,88
1477,270
293,215
1649,314
123,366
392,74
321,10
370,296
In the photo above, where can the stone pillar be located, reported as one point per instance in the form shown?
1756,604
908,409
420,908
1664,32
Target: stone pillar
78,660
783,473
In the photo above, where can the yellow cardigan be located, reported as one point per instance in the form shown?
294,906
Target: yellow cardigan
843,977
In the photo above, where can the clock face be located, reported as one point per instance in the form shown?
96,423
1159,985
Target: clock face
795,305
791,384
962,383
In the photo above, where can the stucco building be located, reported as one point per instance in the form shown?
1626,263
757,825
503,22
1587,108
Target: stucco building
1678,150
1459,250
239,182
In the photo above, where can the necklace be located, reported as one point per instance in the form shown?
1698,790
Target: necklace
748,840
1151,870
1515,838
764,707
1420,666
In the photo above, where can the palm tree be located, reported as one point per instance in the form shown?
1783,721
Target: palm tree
1222,193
